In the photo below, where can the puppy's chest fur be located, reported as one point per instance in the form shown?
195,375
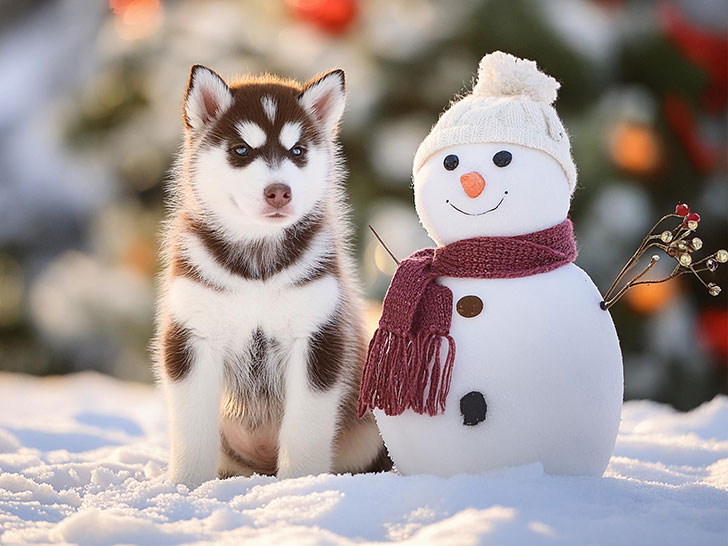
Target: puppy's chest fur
227,319
250,317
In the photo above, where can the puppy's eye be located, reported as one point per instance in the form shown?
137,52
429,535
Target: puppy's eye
502,158
241,150
451,162
297,151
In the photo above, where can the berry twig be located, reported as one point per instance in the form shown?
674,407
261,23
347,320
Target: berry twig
675,244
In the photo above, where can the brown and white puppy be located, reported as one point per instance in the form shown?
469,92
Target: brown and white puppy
259,340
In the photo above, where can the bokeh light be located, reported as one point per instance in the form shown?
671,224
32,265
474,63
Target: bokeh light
91,118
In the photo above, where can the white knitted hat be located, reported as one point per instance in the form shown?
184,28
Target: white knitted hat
511,102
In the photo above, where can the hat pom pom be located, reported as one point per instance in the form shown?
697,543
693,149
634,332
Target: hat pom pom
501,74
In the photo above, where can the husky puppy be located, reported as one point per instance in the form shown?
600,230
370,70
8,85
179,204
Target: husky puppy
259,339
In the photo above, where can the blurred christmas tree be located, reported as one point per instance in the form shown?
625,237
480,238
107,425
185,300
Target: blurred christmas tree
92,120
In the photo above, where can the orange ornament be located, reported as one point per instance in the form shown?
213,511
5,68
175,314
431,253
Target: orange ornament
648,298
635,148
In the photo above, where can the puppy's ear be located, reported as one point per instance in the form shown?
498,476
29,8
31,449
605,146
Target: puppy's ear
324,98
206,99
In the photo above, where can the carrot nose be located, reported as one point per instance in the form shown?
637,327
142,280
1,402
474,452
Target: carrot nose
473,184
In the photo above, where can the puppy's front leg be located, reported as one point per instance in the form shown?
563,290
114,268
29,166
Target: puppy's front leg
309,419
193,389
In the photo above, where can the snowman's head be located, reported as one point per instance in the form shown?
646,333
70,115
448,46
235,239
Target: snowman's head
498,161
489,190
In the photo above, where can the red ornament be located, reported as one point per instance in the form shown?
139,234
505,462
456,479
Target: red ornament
333,16
713,332
684,124
706,48
682,209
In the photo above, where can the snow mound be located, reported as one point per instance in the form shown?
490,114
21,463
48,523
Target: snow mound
83,459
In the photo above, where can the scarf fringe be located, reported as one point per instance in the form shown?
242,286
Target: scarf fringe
400,368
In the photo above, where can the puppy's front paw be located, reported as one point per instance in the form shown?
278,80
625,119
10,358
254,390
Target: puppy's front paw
286,472
189,477
300,467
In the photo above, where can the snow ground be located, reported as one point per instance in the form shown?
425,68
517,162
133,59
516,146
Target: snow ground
83,457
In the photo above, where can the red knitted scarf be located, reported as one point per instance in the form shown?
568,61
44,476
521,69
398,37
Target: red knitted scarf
404,368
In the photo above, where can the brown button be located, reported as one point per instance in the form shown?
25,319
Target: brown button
469,306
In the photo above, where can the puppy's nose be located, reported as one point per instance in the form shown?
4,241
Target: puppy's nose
473,184
277,195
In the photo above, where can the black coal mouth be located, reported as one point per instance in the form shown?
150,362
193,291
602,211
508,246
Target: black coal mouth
478,213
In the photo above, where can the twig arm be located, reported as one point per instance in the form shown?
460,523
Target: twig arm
385,246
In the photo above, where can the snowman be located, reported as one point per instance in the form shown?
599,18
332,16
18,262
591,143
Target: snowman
492,349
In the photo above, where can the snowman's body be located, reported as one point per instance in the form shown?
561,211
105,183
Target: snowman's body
547,361
537,374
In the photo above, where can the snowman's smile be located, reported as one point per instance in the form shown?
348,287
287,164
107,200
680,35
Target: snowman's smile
476,213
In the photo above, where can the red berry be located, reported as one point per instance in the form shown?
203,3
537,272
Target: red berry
682,209
692,217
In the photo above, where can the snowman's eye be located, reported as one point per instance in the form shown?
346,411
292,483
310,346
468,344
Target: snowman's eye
502,158
451,162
